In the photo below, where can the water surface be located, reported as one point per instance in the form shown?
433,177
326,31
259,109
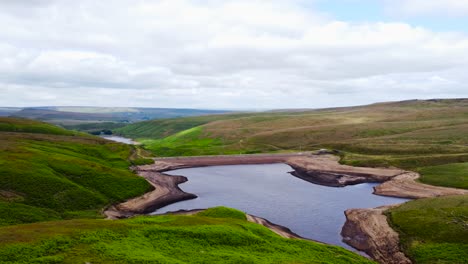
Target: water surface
124,140
269,191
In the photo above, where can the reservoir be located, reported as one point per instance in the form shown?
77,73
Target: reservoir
269,191
124,140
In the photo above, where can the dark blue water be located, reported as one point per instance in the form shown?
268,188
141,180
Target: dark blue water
269,191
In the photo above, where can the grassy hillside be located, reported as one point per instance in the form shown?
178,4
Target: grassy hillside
219,235
160,128
433,230
408,134
47,172
428,136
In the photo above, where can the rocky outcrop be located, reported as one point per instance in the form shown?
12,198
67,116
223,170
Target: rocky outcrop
368,230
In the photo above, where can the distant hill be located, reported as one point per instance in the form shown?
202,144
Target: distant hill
67,115
6,111
408,133
95,120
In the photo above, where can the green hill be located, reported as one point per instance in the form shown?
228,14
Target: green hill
433,230
428,136
47,172
407,134
218,235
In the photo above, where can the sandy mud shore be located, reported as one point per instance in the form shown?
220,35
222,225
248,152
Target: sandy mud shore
318,169
166,191
365,229
326,170
406,186
368,230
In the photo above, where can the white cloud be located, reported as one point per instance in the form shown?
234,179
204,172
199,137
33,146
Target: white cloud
429,7
223,54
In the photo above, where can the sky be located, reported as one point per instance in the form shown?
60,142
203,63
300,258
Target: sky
243,54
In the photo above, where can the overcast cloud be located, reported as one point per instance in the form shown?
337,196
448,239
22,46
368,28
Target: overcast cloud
223,54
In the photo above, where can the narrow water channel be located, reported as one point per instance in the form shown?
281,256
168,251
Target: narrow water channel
269,191
119,139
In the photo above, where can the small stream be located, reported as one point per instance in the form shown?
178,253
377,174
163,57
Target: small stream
269,191
119,139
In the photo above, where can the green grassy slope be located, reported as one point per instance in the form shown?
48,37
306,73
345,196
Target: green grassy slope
428,136
160,128
408,134
433,230
50,173
218,236
448,175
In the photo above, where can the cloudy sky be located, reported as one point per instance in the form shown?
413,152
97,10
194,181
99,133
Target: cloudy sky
231,54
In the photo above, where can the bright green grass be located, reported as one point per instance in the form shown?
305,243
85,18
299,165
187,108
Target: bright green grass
223,212
52,175
162,239
433,230
8,124
450,175
189,142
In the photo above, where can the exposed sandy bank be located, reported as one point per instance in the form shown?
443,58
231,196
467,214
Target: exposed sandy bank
165,164
326,170
406,186
318,169
365,229
368,230
166,191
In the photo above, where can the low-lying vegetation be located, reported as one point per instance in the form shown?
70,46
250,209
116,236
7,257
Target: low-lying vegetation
433,230
217,236
49,173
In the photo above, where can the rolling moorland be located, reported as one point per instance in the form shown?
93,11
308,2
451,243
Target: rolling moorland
56,182
427,136
96,119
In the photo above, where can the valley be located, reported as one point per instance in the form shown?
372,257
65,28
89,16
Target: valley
411,149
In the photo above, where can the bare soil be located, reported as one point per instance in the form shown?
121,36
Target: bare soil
406,186
368,230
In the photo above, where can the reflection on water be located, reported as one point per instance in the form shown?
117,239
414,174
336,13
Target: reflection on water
268,190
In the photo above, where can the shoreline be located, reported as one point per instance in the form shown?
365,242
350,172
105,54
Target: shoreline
368,230
380,242
278,229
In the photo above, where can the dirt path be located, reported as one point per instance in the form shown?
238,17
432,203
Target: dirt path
368,230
